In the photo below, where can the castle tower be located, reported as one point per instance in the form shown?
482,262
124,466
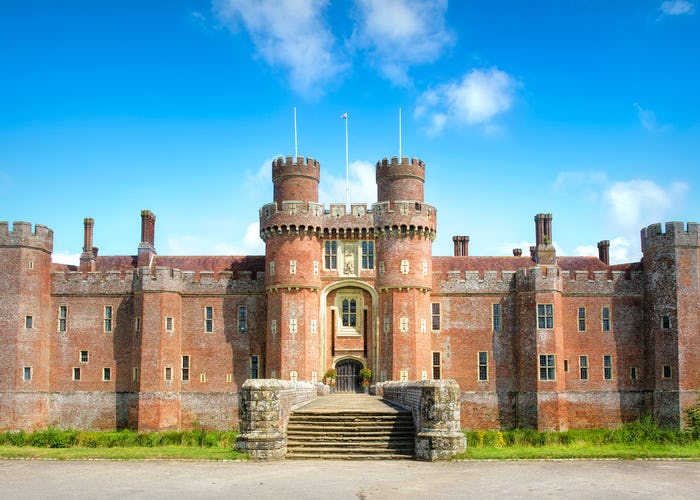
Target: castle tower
291,229
405,229
671,262
27,322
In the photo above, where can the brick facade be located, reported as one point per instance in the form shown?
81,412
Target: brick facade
160,342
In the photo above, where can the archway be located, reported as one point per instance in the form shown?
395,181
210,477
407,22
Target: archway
348,375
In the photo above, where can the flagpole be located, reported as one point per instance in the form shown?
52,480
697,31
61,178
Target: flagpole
295,134
347,171
399,134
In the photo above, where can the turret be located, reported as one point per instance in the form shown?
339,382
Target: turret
400,180
295,179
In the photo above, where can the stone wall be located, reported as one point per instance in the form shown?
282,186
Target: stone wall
435,406
265,407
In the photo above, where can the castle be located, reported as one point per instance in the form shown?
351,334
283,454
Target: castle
155,342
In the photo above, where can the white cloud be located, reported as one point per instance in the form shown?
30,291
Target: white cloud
188,244
362,185
619,251
677,8
646,117
291,34
636,202
401,33
477,99
72,259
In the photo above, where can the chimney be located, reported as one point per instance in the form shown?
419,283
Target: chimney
544,250
147,250
461,246
89,256
517,252
604,251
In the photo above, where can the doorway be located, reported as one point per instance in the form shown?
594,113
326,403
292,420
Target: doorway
348,375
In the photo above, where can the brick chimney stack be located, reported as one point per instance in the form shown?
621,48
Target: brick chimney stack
604,251
147,249
517,252
461,246
89,256
544,250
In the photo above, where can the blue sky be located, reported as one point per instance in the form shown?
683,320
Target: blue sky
588,109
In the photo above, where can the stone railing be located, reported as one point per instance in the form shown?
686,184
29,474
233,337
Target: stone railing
435,408
265,407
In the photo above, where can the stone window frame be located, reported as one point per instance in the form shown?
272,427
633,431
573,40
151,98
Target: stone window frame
135,374
566,366
27,373
108,315
83,356
137,324
482,361
547,367
28,322
168,373
367,252
545,316
633,373
436,364
169,324
605,319
106,374
208,319
242,318
496,317
229,378
202,377
62,318
272,268
666,372
666,322
254,368
435,316
349,330
185,367
330,255
76,374
583,367
607,367
581,319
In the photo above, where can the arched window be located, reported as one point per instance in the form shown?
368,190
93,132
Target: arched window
349,312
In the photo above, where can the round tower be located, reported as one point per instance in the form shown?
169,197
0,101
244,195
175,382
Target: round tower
291,227
26,320
405,229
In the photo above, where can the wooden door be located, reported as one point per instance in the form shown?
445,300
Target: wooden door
348,378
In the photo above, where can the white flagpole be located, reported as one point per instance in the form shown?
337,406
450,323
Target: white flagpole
347,171
399,135
295,134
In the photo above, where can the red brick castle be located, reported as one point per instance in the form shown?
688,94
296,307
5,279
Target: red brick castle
157,342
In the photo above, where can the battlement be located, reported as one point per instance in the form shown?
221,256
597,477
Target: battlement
675,234
290,165
22,235
406,166
405,214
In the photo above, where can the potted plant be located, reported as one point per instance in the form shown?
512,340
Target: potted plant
329,378
366,376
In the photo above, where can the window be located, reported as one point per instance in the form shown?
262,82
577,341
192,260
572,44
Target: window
169,324
135,374
605,318
273,327
581,319
566,366
108,319
349,314
208,319
28,322
666,371
168,374
435,306
404,266
633,373
202,377
292,267
242,318
185,368
382,268
106,374
76,373
545,316
583,367
27,373
83,356
666,322
483,358
137,324
436,366
496,320
229,377
272,268
547,367
368,255
31,264
607,367
330,255
255,366
62,318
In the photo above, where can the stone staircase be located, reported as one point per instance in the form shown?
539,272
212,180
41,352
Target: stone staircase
351,433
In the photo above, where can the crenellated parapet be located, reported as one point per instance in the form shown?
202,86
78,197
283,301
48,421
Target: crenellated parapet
295,179
92,283
285,166
473,282
539,279
403,218
603,282
400,179
406,167
21,235
672,234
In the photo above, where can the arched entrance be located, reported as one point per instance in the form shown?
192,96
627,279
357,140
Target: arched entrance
348,375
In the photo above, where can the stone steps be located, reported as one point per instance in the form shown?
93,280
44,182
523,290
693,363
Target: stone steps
350,435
